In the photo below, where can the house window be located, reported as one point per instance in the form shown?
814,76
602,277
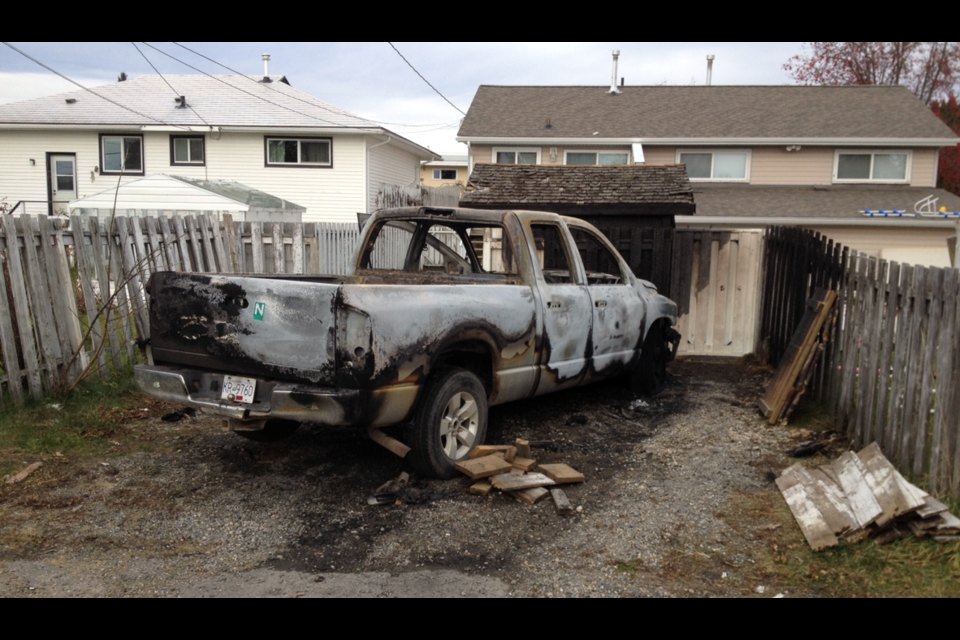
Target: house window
516,156
121,154
187,150
444,174
723,166
872,166
306,152
602,158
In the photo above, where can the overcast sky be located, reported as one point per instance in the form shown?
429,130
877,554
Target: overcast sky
371,80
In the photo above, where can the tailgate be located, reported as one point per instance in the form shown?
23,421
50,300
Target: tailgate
279,328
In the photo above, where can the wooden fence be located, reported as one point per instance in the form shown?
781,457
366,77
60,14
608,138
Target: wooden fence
72,301
889,369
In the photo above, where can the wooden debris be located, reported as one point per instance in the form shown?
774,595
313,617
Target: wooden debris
530,496
517,472
510,454
488,450
20,477
563,504
481,489
561,473
523,448
484,467
861,495
510,482
524,464
815,529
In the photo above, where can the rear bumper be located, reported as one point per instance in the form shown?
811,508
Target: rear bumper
279,400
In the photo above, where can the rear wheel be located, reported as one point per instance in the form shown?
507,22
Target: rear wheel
450,422
272,431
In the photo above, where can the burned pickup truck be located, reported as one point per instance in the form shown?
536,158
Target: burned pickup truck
447,312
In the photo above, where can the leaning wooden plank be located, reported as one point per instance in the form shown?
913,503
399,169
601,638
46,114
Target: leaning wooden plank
851,475
176,246
915,496
562,502
196,247
156,251
131,277
141,250
530,496
484,467
828,498
511,482
815,529
887,488
562,473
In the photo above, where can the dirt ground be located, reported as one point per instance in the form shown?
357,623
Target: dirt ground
669,508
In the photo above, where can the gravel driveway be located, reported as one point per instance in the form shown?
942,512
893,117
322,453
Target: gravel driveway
665,510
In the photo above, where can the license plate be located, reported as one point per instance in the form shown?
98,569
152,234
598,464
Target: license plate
238,389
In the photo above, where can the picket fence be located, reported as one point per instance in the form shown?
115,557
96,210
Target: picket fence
72,298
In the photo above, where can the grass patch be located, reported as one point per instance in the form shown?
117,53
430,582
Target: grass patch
812,416
82,423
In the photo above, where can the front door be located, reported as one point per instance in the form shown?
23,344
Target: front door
62,176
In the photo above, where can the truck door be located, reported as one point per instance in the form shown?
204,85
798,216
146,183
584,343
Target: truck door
618,311
566,311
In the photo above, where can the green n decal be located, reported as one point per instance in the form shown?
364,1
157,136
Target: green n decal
259,308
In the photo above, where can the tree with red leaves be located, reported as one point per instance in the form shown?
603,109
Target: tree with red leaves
930,69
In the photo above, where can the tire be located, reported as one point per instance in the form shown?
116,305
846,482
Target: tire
450,421
650,374
272,431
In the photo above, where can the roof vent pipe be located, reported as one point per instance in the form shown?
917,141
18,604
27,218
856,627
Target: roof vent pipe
613,78
266,67
709,69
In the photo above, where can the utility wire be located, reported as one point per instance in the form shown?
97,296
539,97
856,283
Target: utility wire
313,104
425,80
177,93
306,115
102,97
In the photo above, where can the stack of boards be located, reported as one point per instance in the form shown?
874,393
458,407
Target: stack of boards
861,495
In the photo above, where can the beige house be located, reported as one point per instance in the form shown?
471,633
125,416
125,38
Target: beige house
816,157
257,131
447,172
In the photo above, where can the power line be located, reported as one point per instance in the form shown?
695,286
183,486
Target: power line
306,115
102,97
425,80
313,104
177,93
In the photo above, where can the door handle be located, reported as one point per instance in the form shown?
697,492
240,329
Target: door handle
600,304
554,304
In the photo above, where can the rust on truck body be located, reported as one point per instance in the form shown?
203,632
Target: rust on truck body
358,349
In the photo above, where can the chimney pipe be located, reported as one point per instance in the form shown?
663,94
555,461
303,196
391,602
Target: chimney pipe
709,69
613,78
266,66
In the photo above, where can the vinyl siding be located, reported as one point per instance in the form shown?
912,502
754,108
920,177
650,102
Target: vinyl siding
388,165
924,172
329,194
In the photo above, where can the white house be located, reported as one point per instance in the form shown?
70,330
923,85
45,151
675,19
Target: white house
258,131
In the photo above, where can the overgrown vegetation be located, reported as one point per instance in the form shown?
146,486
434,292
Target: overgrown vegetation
84,422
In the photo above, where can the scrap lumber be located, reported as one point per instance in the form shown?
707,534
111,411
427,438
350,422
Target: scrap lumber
911,492
950,526
510,482
828,498
524,464
20,477
932,507
885,476
510,454
562,502
488,450
784,382
815,529
482,488
523,448
530,496
850,474
484,467
562,473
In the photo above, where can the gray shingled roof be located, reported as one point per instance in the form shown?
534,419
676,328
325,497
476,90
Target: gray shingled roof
812,202
217,101
515,185
778,112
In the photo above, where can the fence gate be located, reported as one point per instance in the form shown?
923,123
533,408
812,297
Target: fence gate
716,283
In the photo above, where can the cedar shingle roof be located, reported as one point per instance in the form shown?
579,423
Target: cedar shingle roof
519,184
870,112
843,201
